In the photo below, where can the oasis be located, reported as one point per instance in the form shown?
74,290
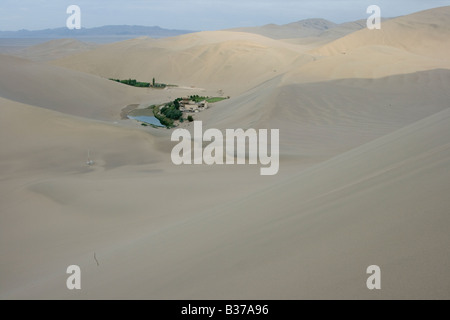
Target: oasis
234,145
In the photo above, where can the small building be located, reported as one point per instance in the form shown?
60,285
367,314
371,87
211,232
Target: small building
190,107
186,101
203,105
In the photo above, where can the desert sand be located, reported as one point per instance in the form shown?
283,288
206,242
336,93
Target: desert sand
364,176
55,49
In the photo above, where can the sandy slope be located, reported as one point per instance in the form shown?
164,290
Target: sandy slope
318,29
310,236
64,90
408,44
54,49
206,59
369,62
300,29
384,203
424,33
321,119
51,201
364,175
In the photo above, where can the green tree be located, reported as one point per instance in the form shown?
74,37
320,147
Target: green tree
171,112
176,103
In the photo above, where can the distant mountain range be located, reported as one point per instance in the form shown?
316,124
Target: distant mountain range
105,31
305,28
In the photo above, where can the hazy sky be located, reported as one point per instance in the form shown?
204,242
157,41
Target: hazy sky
195,14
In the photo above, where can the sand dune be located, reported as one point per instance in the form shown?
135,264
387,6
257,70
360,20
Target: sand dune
404,45
46,188
55,49
424,33
369,62
55,138
318,29
413,43
311,236
300,29
319,120
64,90
314,236
364,174
343,29
206,59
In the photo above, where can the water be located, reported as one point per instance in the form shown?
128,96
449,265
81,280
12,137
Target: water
148,120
